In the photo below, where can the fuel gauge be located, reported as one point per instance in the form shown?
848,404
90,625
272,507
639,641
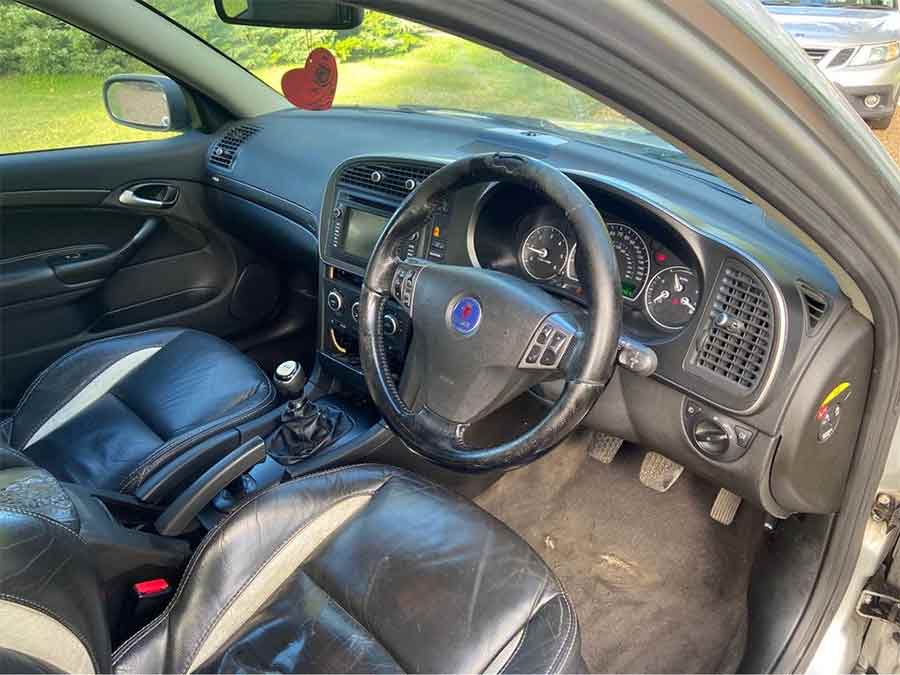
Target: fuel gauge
672,297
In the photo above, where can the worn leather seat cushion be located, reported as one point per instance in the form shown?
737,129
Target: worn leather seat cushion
362,569
110,413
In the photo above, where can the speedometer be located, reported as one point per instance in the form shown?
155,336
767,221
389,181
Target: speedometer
632,257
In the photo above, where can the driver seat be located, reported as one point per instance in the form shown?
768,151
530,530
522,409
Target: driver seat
360,569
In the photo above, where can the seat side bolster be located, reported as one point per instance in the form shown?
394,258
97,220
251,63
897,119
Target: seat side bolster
550,641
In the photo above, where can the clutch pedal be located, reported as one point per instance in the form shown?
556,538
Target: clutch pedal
659,473
604,447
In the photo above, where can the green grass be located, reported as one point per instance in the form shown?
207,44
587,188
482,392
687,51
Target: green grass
42,112
56,111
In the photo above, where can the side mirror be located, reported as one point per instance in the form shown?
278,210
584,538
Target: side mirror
319,14
149,102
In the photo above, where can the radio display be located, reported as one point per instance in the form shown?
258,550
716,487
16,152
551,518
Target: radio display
362,231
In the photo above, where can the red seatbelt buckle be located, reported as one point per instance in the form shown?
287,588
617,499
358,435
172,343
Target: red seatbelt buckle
152,588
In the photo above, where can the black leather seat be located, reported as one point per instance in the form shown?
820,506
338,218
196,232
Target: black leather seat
110,413
361,569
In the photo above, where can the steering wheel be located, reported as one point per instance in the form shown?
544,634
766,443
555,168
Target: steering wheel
480,338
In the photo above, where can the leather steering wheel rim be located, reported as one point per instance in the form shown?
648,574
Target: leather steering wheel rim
594,352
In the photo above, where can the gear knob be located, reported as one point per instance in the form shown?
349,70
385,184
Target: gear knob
290,379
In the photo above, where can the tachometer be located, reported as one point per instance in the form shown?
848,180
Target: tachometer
632,257
544,252
672,297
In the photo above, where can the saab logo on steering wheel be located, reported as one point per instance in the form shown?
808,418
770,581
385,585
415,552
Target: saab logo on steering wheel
465,315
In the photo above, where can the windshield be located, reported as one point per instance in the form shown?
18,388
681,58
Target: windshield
842,4
392,63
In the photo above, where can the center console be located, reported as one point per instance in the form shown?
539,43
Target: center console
360,202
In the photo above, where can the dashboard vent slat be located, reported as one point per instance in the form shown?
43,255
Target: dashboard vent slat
393,179
816,304
736,337
224,153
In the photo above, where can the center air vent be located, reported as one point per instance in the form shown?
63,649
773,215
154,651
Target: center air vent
396,179
736,337
225,151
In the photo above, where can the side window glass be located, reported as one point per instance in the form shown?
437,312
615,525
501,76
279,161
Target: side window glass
51,84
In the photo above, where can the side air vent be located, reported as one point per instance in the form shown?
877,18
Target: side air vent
224,153
396,179
736,337
816,304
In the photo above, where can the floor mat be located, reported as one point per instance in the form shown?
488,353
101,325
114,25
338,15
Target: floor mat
658,586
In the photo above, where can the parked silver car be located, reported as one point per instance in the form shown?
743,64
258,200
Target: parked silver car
856,43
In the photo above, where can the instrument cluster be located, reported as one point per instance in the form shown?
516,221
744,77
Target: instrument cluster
657,286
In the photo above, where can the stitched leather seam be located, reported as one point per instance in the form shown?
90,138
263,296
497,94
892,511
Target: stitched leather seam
126,646
569,634
534,610
19,455
40,516
39,607
296,533
164,453
78,350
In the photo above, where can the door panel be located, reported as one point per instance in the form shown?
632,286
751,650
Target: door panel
77,264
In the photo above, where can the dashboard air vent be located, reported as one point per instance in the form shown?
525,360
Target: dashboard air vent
736,338
225,151
396,179
816,304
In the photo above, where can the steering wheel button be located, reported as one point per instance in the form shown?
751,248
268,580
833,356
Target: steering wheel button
549,358
544,335
557,340
533,355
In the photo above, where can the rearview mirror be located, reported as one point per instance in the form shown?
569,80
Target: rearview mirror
149,102
323,14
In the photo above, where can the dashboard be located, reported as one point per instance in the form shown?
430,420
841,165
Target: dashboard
750,331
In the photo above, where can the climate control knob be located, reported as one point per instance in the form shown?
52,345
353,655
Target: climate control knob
711,437
354,311
390,325
335,301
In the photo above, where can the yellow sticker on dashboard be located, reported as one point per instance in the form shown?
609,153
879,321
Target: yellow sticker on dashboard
837,391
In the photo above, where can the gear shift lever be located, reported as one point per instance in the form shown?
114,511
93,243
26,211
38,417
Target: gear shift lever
290,379
305,427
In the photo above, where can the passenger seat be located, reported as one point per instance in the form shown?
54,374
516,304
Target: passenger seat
110,413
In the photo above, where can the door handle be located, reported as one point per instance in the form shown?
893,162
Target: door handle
149,196
104,266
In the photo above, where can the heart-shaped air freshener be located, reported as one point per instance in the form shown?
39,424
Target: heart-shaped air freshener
312,87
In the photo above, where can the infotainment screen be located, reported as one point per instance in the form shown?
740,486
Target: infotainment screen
362,231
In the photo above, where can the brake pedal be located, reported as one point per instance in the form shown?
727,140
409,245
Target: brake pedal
658,472
604,447
725,507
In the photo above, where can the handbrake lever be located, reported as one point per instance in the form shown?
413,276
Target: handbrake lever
179,514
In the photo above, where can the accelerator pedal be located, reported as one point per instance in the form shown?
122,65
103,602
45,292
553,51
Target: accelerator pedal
659,473
604,447
725,507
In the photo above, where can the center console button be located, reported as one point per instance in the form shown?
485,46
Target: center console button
335,301
390,325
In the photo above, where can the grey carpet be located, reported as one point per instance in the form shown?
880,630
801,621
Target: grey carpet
658,586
